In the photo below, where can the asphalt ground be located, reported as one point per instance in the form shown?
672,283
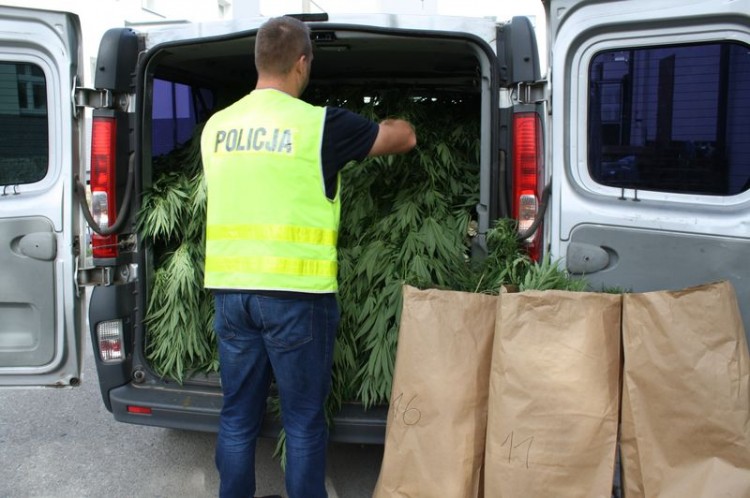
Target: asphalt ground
63,443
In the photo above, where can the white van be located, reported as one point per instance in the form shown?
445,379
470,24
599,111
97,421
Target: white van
630,161
649,143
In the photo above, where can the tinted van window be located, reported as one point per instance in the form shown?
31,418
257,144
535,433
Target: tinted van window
671,119
176,109
24,149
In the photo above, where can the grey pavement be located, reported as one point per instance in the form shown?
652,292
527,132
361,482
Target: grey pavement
63,443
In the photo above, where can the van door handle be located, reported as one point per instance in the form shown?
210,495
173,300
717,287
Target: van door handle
38,245
586,258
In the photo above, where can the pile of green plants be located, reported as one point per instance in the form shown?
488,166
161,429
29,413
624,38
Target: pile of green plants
179,317
406,219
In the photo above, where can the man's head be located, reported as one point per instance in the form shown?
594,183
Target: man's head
283,50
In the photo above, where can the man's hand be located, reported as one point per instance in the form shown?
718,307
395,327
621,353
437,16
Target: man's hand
395,136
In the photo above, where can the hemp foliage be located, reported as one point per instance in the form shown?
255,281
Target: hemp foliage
405,219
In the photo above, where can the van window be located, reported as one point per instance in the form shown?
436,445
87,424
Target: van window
671,119
176,109
24,149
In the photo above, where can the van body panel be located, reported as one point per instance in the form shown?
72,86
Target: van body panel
156,33
649,150
40,304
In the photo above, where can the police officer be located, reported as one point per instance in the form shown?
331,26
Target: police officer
271,165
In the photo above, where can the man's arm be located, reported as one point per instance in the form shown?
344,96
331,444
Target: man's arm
395,136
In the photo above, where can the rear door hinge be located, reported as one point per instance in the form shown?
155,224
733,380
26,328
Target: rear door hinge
92,97
106,275
531,92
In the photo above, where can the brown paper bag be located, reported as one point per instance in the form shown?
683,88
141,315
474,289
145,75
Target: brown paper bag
630,463
686,397
434,443
554,396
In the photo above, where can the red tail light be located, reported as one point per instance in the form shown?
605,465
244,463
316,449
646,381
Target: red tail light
103,184
139,410
527,175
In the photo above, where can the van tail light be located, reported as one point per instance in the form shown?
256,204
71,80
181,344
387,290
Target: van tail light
527,175
139,410
103,184
109,335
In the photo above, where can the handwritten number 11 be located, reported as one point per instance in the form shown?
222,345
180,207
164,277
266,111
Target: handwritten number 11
511,446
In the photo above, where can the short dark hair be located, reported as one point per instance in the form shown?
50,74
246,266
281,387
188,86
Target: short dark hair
279,44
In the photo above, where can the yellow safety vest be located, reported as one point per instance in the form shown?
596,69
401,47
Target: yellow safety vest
270,225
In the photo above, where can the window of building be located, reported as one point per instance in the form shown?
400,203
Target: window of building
671,119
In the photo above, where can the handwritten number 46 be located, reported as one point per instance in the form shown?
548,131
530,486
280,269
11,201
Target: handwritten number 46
409,415
512,447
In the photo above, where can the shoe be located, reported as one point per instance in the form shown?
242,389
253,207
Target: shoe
269,496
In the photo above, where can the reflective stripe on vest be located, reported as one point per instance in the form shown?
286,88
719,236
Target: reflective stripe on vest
303,235
269,223
271,264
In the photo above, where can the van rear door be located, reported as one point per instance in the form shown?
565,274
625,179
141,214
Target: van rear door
40,305
651,143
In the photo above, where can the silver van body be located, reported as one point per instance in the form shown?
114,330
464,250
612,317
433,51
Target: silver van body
40,153
645,112
649,143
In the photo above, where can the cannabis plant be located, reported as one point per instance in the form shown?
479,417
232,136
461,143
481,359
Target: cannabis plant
180,339
406,219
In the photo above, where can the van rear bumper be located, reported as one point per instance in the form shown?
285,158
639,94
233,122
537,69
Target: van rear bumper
188,409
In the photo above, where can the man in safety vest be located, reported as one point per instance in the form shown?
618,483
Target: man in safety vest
271,165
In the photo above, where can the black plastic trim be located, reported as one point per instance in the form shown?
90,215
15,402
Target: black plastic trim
188,409
310,17
115,63
110,303
517,52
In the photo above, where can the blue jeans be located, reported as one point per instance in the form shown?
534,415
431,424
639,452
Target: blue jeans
293,340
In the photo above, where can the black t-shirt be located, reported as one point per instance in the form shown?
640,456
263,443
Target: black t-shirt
346,137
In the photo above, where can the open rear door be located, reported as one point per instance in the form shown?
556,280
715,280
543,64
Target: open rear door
40,309
651,143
